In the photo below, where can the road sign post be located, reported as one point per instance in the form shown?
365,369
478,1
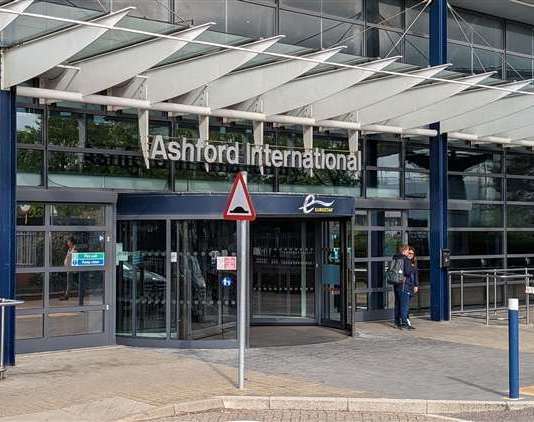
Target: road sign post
239,208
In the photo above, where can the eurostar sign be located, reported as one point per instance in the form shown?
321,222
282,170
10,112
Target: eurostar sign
251,155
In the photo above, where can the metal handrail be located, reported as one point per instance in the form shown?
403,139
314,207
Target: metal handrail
4,303
505,275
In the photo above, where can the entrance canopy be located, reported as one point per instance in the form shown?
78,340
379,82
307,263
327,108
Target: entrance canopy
125,62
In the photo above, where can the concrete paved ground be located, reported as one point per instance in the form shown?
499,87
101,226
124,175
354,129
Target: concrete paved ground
458,360
272,336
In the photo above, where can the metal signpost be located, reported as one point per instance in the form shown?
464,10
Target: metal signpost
239,208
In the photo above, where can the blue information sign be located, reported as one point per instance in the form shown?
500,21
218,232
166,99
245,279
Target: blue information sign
88,259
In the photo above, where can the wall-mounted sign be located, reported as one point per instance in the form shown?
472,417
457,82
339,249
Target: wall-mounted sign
226,263
313,205
88,259
227,281
251,155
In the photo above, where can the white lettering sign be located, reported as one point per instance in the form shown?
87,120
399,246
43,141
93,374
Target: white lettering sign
251,155
311,204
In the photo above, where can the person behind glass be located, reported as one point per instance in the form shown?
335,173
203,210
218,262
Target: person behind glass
67,262
402,290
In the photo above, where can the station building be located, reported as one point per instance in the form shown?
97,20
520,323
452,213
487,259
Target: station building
117,239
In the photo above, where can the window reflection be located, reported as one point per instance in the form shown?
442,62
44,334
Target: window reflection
29,126
30,249
475,188
30,289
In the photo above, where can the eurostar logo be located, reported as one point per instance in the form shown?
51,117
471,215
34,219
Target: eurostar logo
311,204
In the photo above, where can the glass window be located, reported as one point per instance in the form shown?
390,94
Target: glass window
78,215
360,218
29,126
519,38
347,9
520,242
385,12
299,29
419,22
28,326
460,57
250,20
520,190
418,218
67,129
475,188
417,156
29,288
310,5
487,61
476,243
110,132
199,12
30,249
29,167
479,215
76,288
518,68
383,43
383,154
360,244
416,185
520,164
385,243
30,214
474,161
520,216
340,33
64,244
75,323
419,241
487,31
386,218
416,50
383,184
106,171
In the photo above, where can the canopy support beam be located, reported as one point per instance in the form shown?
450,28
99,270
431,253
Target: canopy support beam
439,292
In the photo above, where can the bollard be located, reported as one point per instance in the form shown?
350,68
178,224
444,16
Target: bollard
513,348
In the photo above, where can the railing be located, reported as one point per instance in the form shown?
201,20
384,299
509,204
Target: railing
496,278
4,303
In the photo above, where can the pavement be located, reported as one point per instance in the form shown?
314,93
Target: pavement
458,360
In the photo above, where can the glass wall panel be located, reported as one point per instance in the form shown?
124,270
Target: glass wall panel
418,218
75,323
474,161
416,185
383,184
112,132
309,5
520,216
419,22
518,68
76,288
29,167
67,129
383,43
206,297
250,20
521,190
30,249
78,215
382,154
29,126
475,188
487,61
487,30
385,243
519,38
300,29
30,289
416,50
340,33
347,9
199,12
419,241
28,326
64,244
383,218
417,156
476,243
360,248
478,216
520,164
30,214
385,12
520,242
105,171
460,57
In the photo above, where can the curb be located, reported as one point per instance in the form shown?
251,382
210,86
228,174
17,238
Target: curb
368,405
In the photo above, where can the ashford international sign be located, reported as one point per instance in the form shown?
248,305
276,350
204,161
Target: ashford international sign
251,155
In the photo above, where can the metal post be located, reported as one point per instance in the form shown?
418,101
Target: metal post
487,299
450,295
513,348
461,291
527,294
242,254
495,291
2,330
438,174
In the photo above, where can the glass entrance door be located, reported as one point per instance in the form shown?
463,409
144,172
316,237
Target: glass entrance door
283,271
331,274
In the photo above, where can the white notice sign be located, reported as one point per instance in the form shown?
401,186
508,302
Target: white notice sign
529,290
226,263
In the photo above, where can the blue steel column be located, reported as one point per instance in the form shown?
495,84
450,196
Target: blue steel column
8,187
439,301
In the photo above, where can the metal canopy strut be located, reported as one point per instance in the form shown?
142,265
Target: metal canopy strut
439,300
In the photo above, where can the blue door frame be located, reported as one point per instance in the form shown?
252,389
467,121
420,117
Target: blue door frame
439,292
8,187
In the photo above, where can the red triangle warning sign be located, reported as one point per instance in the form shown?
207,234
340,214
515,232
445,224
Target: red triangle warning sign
239,205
